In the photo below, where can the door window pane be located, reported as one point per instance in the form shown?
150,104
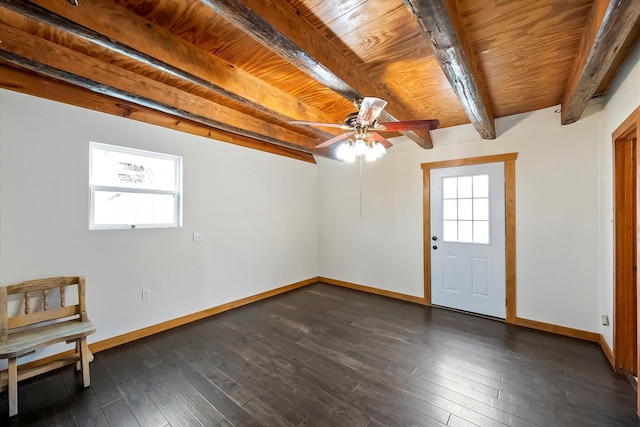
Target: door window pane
465,209
481,209
465,187
449,188
450,209
465,231
450,231
481,186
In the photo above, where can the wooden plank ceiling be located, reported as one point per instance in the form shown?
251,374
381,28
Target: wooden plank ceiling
240,70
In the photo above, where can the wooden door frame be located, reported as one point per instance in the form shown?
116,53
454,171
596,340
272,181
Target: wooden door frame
625,249
625,158
509,160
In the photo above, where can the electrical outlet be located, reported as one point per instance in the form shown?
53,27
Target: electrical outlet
146,294
605,320
198,237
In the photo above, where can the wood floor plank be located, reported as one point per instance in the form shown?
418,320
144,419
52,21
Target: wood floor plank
232,389
101,383
400,407
229,409
339,409
119,414
170,370
481,404
261,411
139,403
30,406
152,384
178,416
83,401
269,392
56,402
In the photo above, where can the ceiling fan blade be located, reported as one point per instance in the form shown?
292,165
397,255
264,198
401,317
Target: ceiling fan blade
370,109
381,140
329,125
334,140
411,125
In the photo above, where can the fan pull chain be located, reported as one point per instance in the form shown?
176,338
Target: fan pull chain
360,183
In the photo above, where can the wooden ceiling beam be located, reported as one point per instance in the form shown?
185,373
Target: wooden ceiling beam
52,60
117,29
277,26
24,81
608,28
441,24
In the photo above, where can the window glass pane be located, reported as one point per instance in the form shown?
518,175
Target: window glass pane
465,231
465,209
449,188
450,209
481,231
450,231
481,186
113,207
117,169
481,209
464,187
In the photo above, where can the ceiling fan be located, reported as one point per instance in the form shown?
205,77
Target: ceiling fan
364,129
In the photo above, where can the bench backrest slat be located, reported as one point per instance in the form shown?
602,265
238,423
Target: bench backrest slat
40,284
42,316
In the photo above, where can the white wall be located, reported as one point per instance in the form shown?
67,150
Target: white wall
258,213
622,99
557,214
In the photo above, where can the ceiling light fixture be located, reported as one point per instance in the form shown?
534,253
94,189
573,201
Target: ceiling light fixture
363,145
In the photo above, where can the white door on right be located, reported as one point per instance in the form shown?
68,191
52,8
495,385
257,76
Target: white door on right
467,205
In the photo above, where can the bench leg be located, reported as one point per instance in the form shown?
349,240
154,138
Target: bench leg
79,362
12,386
85,358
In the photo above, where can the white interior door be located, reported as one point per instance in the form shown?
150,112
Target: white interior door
468,238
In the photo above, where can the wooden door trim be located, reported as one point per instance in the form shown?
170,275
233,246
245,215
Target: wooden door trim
629,130
510,221
624,256
628,127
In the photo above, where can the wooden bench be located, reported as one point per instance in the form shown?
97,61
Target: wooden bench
30,329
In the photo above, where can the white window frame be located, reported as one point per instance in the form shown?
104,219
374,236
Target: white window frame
177,193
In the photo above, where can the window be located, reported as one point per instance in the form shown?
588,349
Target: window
133,188
465,209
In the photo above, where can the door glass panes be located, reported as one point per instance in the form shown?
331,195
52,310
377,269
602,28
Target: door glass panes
450,209
465,204
449,188
465,209
465,187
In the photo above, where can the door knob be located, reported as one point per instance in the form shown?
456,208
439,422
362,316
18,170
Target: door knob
434,238
434,247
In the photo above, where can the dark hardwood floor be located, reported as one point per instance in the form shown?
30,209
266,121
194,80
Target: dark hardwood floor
323,355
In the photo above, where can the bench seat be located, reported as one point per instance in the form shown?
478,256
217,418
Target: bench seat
31,339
